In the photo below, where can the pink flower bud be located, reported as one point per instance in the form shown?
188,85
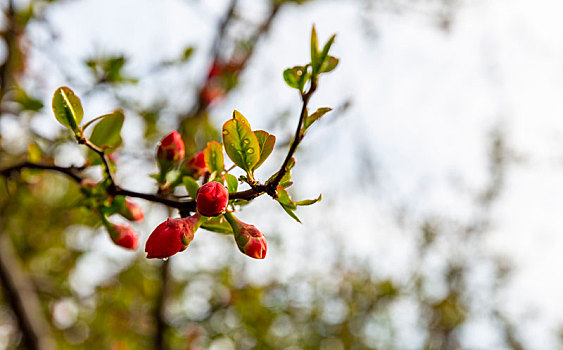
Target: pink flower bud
124,236
212,199
196,165
249,239
171,237
170,151
132,211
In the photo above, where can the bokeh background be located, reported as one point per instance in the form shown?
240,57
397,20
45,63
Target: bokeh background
440,168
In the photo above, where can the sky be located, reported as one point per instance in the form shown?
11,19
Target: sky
424,101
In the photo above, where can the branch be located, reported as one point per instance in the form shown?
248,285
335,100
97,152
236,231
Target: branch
102,155
159,312
185,207
22,297
72,171
272,185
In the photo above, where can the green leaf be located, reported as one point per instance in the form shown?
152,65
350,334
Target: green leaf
241,144
285,199
219,225
309,201
173,176
232,183
326,48
296,77
213,155
292,76
314,49
290,212
67,108
27,102
191,186
238,116
107,132
316,116
329,64
266,142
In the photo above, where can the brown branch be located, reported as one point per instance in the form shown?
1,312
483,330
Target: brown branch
272,185
160,309
22,297
72,171
84,141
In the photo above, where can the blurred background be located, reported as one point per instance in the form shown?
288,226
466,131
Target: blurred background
440,166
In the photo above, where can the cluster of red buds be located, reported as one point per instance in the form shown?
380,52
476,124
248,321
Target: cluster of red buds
123,235
174,235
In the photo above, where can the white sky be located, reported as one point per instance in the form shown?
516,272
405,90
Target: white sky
424,102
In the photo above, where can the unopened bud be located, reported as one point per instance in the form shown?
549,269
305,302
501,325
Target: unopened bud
196,165
212,199
170,151
124,236
249,239
132,211
171,236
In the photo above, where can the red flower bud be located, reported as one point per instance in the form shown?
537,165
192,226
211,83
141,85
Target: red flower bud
170,151
196,165
212,199
132,211
250,240
171,237
124,236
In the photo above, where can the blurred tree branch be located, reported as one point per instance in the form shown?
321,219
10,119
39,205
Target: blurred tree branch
22,297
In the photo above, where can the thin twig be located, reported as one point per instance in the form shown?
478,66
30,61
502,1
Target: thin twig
72,171
272,185
102,155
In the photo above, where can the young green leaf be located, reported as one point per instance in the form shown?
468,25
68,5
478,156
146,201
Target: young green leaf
328,64
309,201
266,142
107,132
241,144
232,183
213,155
323,55
218,224
315,116
314,50
238,116
290,212
67,108
27,102
191,186
285,199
